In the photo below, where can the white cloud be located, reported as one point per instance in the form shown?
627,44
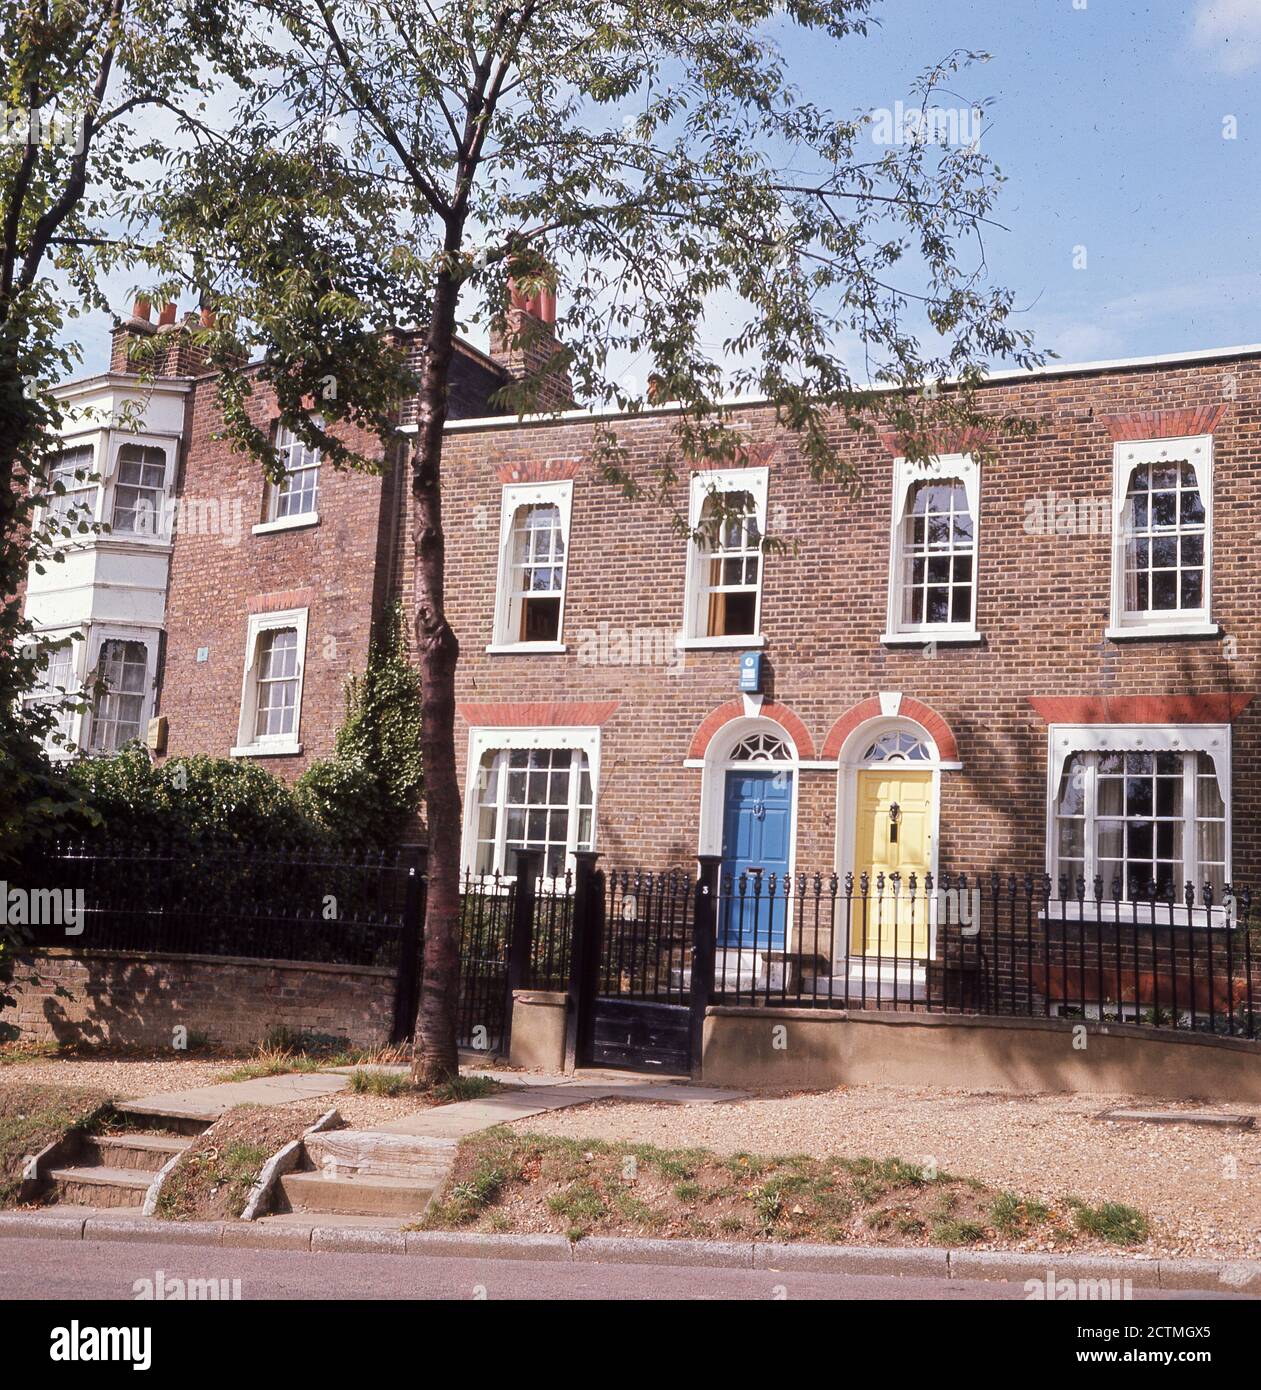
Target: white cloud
1230,31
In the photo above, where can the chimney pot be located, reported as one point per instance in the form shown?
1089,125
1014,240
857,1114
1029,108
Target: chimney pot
141,308
167,317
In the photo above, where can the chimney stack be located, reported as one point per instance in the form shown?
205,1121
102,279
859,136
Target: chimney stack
528,343
178,357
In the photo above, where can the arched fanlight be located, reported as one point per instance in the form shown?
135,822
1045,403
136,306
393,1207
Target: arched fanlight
761,748
898,747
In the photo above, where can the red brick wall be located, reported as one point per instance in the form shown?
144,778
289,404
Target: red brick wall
331,568
1043,607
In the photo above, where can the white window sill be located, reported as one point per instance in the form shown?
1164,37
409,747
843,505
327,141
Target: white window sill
1070,910
734,642
961,636
285,523
526,648
1155,632
119,539
267,750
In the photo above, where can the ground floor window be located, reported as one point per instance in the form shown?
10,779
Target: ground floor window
532,798
118,709
1136,818
55,684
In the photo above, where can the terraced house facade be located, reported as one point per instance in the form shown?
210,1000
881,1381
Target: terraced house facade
1039,662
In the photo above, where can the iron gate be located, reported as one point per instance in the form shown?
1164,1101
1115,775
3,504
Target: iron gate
641,1016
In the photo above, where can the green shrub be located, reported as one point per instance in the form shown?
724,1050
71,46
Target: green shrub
368,792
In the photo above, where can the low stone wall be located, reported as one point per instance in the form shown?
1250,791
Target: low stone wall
140,998
821,1048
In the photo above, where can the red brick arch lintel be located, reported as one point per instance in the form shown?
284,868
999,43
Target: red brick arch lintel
734,709
924,715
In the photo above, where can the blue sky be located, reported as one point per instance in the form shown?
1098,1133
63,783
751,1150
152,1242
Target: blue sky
1108,123
1108,120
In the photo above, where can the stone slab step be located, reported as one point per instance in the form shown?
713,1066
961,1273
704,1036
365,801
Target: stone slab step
312,1192
373,1153
146,1152
191,1122
100,1187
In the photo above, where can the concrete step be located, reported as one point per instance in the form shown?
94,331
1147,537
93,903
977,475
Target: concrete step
154,1117
100,1187
146,1152
372,1153
312,1192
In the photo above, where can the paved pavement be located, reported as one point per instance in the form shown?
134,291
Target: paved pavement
535,1093
39,1269
209,1102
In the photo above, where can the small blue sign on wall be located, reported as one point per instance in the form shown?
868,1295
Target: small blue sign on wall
750,673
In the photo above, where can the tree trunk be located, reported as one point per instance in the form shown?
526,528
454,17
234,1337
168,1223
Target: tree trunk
435,1058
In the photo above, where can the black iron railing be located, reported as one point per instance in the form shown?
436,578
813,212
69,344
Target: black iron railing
219,901
997,945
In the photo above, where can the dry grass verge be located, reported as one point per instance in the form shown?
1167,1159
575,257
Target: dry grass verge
33,1116
522,1182
213,1178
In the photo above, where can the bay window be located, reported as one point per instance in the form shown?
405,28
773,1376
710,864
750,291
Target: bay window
118,708
530,789
1146,808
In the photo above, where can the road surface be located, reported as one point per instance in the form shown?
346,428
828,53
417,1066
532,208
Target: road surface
71,1270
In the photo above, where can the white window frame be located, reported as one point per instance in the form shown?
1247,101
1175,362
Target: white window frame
960,468
1063,740
117,443
273,745
1197,450
75,720
558,494
703,485
271,498
96,440
494,739
98,635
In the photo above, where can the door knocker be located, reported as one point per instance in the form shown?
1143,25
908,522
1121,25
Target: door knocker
895,815
759,810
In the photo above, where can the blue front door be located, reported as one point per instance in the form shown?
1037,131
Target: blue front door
756,835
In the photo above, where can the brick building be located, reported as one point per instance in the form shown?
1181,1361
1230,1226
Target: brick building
1042,661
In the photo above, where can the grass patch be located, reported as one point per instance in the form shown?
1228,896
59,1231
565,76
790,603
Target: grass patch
1113,1222
509,1181
213,1177
372,1081
33,1116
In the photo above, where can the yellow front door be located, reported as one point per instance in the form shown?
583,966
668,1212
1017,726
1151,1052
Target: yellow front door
890,842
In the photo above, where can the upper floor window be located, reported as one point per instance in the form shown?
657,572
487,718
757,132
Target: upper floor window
933,555
119,704
727,515
271,693
296,496
534,535
139,489
1163,541
72,468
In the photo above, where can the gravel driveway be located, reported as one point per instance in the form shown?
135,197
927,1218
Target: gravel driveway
1200,1187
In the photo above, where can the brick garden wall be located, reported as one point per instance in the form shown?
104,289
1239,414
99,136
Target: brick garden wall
1043,607
124,998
